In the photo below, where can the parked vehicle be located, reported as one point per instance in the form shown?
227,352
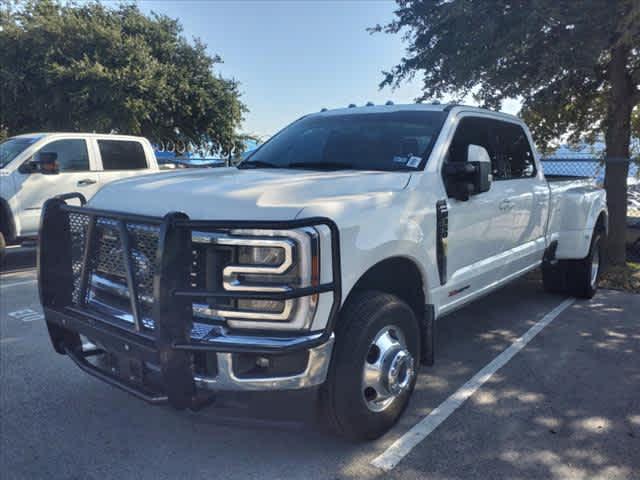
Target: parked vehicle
323,260
38,166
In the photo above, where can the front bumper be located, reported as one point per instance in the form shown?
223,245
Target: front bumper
166,364
226,378
314,373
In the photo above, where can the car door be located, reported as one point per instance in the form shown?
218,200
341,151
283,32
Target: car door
526,194
479,229
120,158
75,173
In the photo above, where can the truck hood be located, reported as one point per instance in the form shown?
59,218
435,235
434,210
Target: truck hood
251,194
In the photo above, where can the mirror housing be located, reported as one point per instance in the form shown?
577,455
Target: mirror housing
479,157
471,177
42,162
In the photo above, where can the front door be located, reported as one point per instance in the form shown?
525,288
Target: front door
526,194
481,229
74,175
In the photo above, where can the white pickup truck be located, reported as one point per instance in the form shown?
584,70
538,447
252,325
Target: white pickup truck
323,260
38,166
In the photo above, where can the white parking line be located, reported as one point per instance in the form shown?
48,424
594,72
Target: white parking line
26,315
15,284
402,446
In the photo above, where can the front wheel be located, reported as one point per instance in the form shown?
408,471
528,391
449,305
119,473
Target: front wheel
374,366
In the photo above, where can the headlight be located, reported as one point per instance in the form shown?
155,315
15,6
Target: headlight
261,261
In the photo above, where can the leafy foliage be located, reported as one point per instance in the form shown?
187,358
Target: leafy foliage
92,68
551,54
574,65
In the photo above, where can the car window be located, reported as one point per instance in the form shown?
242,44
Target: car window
12,147
506,143
72,154
513,157
470,131
122,155
386,141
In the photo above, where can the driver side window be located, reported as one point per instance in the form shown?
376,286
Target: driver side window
506,143
470,131
72,154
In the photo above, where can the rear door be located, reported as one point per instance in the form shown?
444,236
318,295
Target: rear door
121,158
76,173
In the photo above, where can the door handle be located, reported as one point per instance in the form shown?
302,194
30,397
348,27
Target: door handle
506,205
86,181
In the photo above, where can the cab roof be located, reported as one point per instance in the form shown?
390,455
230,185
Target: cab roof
413,107
76,134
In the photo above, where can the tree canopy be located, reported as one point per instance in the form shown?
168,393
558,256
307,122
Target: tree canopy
574,65
89,67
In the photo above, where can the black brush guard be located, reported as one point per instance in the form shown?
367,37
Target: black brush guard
169,345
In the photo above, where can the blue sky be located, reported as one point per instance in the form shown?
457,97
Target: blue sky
295,57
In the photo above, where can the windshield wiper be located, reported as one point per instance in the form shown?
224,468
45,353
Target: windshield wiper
257,164
321,165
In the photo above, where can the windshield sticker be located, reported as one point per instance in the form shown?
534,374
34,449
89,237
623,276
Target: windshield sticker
398,159
414,162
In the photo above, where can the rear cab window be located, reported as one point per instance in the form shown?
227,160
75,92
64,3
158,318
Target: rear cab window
122,155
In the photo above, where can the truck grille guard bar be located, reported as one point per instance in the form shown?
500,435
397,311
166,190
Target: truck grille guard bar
170,343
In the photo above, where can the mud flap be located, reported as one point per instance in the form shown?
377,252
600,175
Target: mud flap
428,336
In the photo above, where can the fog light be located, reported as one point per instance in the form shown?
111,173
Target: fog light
262,362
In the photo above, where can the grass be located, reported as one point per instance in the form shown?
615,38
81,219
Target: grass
625,277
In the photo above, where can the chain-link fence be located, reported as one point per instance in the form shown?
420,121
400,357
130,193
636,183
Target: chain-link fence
588,167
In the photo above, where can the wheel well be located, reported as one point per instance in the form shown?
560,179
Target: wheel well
6,221
399,276
601,223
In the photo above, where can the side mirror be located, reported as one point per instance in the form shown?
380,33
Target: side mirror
470,177
43,162
479,157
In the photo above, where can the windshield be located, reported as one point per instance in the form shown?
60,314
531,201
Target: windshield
368,141
12,147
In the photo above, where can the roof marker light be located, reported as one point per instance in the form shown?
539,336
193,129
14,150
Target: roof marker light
389,102
370,104
352,105
324,109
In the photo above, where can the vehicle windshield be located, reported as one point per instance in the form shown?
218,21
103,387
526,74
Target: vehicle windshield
12,147
387,141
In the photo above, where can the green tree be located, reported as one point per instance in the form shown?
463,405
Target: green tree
575,65
89,67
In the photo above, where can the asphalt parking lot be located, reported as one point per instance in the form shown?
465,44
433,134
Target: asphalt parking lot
567,405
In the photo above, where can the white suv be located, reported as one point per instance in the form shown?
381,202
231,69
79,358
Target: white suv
38,166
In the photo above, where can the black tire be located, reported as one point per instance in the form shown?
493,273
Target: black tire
3,248
342,397
582,280
554,276
574,277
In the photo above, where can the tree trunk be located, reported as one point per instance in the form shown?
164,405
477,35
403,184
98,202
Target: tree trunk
617,139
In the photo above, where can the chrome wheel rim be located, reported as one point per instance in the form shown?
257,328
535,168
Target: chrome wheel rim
595,267
388,369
